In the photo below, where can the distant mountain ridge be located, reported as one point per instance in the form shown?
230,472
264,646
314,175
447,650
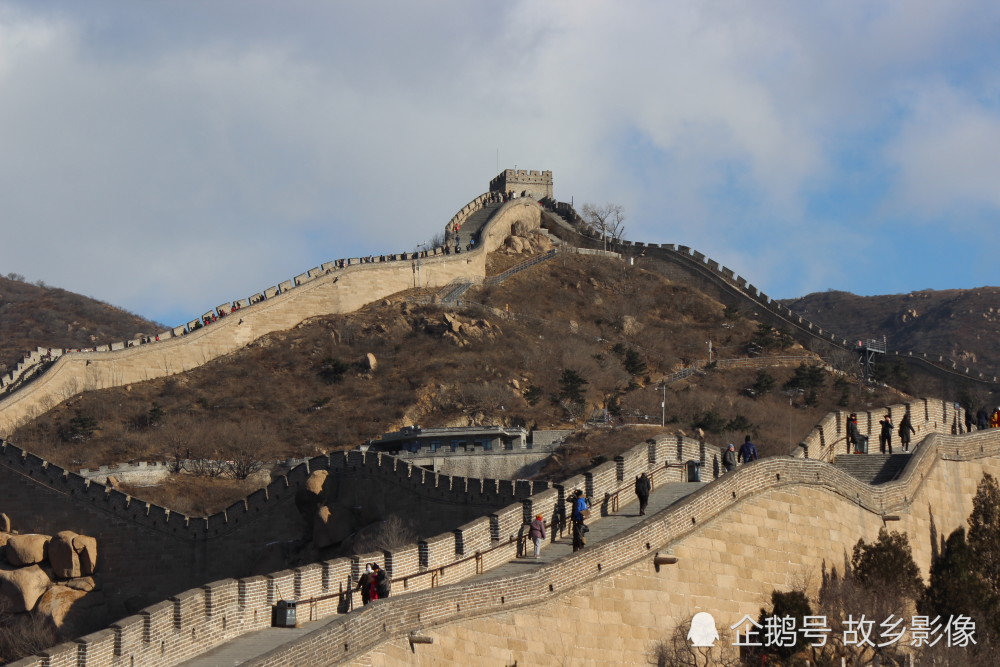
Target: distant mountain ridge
34,316
960,324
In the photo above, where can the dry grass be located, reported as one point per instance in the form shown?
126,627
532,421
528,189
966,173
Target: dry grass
307,391
190,495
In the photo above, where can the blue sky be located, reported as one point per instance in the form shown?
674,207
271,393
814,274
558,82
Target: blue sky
167,157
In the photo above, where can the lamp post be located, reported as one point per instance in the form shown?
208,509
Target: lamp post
663,406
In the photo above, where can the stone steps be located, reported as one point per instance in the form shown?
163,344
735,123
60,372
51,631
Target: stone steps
873,468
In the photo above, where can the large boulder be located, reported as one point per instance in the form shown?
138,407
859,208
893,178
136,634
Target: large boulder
56,603
4,523
63,557
316,481
24,550
85,584
72,611
22,586
72,555
85,547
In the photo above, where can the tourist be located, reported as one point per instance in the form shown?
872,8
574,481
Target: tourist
982,419
537,533
748,452
995,418
905,429
643,486
381,581
729,458
364,584
852,433
885,435
581,512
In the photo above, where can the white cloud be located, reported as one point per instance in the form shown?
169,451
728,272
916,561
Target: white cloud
167,157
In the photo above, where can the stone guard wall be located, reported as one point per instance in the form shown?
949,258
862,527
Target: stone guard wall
194,621
767,526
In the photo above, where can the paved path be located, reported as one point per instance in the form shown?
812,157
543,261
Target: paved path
249,646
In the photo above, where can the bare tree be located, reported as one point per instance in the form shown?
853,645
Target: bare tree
608,220
390,533
246,454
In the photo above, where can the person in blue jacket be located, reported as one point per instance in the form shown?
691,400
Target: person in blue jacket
748,452
581,510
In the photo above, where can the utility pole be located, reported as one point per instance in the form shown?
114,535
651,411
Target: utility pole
709,352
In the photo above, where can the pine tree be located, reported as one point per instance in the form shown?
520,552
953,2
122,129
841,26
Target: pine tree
984,531
957,585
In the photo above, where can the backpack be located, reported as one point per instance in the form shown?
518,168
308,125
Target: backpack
384,586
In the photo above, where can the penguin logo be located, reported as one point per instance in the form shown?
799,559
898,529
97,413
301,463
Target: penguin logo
703,632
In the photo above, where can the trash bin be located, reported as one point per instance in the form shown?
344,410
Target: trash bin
283,615
694,471
863,444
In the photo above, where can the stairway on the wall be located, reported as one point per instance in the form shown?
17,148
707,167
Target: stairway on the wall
873,468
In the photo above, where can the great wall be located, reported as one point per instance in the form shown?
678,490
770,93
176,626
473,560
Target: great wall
607,603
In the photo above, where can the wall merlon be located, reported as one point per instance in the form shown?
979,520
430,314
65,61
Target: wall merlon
220,596
158,621
507,522
437,551
129,633
280,586
252,591
97,648
62,655
189,608
308,581
473,536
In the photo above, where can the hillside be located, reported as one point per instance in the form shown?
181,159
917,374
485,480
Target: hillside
549,347
39,316
963,325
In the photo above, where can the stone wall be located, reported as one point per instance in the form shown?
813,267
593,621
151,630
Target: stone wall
770,526
829,438
169,552
687,265
321,291
191,622
537,184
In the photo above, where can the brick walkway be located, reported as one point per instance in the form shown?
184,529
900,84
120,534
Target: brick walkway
249,646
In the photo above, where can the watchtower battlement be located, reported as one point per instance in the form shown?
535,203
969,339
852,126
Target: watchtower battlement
537,184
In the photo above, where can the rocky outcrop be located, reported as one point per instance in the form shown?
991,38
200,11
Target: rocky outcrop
22,586
72,555
50,576
524,241
24,550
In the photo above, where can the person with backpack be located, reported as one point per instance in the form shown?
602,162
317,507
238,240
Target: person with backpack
748,452
383,584
643,485
537,533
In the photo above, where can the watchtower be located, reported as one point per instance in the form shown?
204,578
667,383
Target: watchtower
522,182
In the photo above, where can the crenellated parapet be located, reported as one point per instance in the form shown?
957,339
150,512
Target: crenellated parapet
523,182
192,622
564,222
927,415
